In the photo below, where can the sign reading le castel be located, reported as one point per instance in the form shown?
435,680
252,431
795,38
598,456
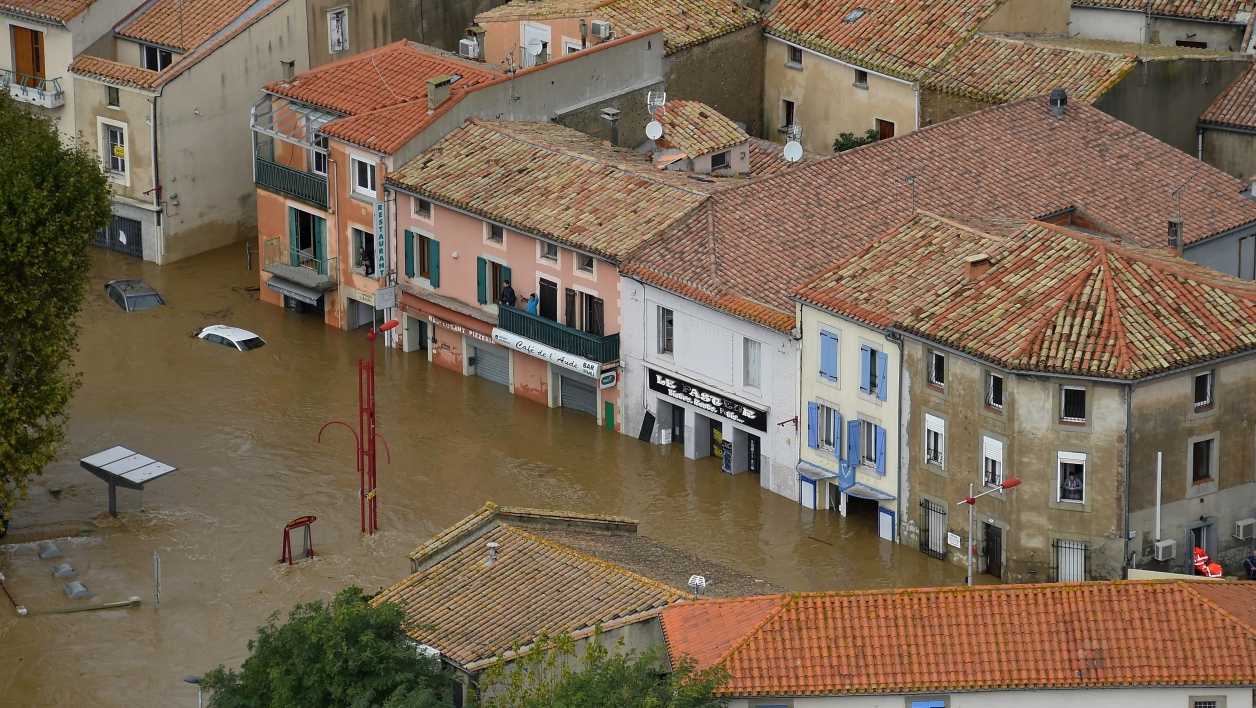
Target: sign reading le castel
699,397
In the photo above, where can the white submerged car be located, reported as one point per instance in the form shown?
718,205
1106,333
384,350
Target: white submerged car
233,337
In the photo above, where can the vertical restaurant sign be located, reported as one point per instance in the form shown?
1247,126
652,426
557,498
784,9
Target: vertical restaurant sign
381,239
709,401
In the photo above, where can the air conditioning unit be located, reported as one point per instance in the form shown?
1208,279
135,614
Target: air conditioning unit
601,29
1166,550
1245,529
469,48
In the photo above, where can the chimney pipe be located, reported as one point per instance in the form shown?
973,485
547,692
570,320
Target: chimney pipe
1175,235
1058,100
438,90
289,68
611,116
976,266
492,553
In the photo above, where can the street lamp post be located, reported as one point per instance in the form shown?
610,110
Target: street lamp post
971,501
197,681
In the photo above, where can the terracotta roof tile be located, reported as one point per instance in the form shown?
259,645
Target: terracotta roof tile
1215,10
706,629
1236,106
997,68
903,38
113,71
696,129
1054,300
50,10
159,22
685,23
1014,160
548,180
1049,636
767,158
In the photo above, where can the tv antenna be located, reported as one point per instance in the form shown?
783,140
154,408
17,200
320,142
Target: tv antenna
655,99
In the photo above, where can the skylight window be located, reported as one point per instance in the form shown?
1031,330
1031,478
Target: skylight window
854,15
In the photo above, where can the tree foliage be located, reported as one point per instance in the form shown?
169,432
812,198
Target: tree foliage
52,199
846,141
547,675
343,653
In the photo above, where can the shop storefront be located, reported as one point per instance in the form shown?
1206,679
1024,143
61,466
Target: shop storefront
573,382
453,340
707,423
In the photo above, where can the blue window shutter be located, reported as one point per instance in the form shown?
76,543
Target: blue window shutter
865,369
828,356
433,251
852,443
880,434
883,378
409,254
481,282
813,425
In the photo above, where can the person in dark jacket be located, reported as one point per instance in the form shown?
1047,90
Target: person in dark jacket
508,297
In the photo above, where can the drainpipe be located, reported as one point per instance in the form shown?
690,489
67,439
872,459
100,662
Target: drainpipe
160,240
1129,399
898,516
1159,482
1200,141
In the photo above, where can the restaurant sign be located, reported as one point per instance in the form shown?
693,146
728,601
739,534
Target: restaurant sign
709,401
550,354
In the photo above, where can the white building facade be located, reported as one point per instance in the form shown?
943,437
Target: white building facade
717,384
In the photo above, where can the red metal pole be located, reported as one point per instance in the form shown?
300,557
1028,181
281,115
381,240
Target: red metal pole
360,452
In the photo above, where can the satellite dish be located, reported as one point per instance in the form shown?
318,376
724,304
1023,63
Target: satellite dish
534,46
793,151
654,130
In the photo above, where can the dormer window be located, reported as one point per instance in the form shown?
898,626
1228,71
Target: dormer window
155,59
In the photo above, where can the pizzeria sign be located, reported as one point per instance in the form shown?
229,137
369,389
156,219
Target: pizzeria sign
707,400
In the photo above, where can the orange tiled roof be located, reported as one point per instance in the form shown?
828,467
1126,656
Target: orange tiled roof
767,158
1009,637
1215,10
997,68
1236,106
113,71
705,630
159,22
544,179
1054,300
50,10
696,129
903,38
685,23
1014,160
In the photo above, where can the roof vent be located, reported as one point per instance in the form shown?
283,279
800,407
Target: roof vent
854,15
1175,235
289,68
492,553
976,266
438,90
611,116
1058,100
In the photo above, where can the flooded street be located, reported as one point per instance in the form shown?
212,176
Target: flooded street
241,429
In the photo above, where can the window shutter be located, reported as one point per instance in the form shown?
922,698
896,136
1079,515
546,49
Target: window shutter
852,442
993,449
813,425
597,316
828,356
505,275
320,244
433,250
481,283
569,317
883,378
865,369
880,436
294,259
409,254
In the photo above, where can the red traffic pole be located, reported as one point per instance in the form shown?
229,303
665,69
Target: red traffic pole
369,431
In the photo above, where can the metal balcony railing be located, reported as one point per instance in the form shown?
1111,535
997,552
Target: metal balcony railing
32,89
300,267
573,341
295,183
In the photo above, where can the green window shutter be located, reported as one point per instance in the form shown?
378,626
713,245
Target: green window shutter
433,250
409,254
481,282
292,237
505,274
320,244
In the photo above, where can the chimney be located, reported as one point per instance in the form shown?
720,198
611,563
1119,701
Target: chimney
1175,235
492,553
976,266
1058,100
611,116
438,90
289,68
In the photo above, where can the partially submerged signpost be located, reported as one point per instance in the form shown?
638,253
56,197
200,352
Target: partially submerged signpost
121,467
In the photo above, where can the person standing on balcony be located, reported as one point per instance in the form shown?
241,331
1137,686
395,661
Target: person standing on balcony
533,304
508,297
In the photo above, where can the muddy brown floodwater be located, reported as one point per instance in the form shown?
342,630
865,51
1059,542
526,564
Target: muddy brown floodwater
241,428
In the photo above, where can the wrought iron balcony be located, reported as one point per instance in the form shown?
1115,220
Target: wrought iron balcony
573,341
300,267
305,186
32,89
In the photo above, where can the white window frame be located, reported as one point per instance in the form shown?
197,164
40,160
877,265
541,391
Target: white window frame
1065,418
144,64
1069,458
666,330
315,156
990,377
992,454
545,247
106,150
416,208
726,154
332,46
751,377
934,357
1207,403
580,261
369,190
490,234
571,46
826,417
867,442
935,427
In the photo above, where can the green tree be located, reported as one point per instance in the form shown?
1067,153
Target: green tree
546,675
344,653
846,141
53,198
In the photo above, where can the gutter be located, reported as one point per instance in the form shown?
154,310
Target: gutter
1125,532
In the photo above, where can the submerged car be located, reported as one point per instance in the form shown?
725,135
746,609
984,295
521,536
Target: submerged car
233,337
132,294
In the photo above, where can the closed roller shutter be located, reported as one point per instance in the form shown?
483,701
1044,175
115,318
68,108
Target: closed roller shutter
578,393
492,363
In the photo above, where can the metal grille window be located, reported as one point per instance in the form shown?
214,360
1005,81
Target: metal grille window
363,176
719,161
994,391
1204,704
795,56
1203,390
992,462
937,369
666,331
935,440
1070,561
932,529
1073,405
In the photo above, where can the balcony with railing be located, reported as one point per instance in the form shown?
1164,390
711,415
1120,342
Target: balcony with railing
32,89
300,267
306,186
602,349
